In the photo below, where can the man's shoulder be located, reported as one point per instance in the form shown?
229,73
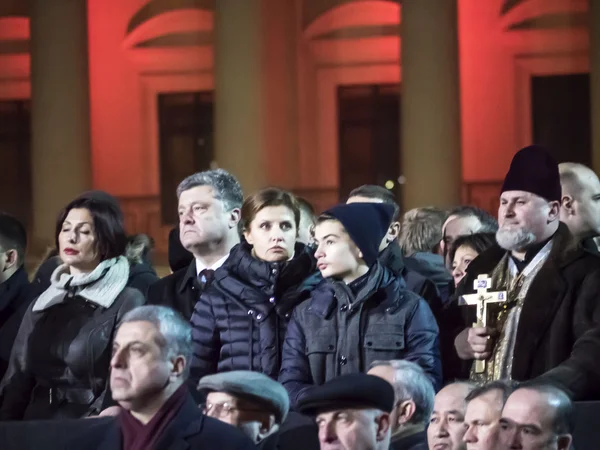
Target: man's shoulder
170,282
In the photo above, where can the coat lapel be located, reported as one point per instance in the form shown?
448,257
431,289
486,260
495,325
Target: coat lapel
546,294
112,439
542,301
188,422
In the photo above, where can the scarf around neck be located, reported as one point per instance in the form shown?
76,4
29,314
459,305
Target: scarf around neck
100,286
137,436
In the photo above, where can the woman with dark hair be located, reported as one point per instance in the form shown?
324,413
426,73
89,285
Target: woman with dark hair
60,360
465,249
240,320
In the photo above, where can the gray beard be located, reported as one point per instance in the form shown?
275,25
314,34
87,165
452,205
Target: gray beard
514,239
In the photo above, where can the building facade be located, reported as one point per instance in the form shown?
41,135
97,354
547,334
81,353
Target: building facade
430,97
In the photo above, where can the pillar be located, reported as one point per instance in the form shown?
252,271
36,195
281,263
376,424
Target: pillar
239,99
430,118
595,82
281,28
60,116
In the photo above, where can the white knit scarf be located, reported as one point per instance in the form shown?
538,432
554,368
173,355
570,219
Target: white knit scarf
101,286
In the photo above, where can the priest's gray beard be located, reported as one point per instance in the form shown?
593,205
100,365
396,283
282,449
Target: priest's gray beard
514,238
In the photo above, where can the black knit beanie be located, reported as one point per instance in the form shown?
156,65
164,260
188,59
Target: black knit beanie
367,225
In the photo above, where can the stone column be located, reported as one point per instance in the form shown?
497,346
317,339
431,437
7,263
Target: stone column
595,82
239,98
60,146
431,152
281,28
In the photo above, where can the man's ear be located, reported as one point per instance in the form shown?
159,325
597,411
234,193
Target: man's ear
393,232
267,423
11,259
178,365
554,212
406,410
566,203
564,442
383,426
234,217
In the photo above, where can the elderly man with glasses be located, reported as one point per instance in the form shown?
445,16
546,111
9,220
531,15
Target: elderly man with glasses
257,405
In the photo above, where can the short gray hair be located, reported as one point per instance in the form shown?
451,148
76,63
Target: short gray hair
411,383
176,332
226,187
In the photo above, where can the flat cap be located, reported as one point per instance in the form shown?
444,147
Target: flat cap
251,386
357,390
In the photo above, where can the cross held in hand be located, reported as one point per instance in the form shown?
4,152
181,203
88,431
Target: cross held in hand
483,298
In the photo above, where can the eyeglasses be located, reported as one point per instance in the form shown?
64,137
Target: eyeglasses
223,409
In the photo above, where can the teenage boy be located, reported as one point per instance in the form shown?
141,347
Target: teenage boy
361,312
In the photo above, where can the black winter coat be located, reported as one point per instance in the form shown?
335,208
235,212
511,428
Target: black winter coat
60,360
179,291
239,323
558,336
15,298
342,329
190,429
392,258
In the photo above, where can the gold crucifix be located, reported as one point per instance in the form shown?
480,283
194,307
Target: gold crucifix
481,300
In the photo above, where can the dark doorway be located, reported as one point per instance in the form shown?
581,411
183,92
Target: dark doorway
369,136
15,158
561,116
186,143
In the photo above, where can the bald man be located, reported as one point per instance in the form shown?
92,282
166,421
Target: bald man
536,418
580,202
447,425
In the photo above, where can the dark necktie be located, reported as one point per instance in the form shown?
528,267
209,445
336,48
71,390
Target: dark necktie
205,277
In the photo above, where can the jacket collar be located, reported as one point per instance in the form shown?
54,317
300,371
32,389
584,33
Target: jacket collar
190,277
324,301
392,258
250,281
565,250
189,421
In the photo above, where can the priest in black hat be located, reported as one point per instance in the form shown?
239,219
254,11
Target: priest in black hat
360,312
548,327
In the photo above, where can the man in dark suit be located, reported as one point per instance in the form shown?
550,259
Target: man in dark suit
15,290
209,212
151,354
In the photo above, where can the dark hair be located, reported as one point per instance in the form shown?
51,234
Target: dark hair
108,222
13,236
504,386
268,197
489,224
379,193
564,421
479,242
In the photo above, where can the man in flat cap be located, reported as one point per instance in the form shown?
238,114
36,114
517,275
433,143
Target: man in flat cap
549,325
360,312
257,405
352,412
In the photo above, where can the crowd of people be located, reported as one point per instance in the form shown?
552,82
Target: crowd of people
280,328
